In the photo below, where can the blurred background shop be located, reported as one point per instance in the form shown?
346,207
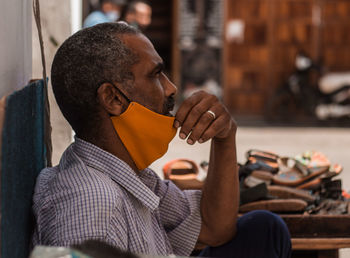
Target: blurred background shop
243,50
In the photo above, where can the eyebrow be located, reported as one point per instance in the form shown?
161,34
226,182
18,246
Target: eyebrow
158,67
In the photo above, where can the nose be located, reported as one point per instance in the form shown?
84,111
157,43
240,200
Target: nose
169,87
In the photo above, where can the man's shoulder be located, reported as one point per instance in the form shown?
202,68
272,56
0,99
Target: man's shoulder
77,182
74,199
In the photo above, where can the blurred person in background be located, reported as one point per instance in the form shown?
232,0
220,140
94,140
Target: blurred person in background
138,14
110,11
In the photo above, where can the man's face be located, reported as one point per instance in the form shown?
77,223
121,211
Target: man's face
151,87
110,7
143,15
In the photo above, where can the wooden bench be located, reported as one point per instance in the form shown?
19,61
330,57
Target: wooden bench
318,236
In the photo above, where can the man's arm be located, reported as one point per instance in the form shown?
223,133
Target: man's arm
220,198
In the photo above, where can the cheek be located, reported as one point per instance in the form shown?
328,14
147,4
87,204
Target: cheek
157,100
152,97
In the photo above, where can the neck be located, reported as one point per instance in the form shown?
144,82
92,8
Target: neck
110,142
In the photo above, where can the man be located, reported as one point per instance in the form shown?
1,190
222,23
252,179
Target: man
109,85
109,12
138,14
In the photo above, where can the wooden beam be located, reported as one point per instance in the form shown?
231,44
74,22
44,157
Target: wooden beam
320,243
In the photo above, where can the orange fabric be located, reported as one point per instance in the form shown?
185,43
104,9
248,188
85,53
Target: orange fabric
144,133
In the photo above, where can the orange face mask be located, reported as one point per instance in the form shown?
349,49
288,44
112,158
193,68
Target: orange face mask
144,133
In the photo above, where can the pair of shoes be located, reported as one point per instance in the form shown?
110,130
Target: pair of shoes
293,184
183,173
279,199
305,171
256,191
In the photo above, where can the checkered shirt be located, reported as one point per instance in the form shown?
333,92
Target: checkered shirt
92,194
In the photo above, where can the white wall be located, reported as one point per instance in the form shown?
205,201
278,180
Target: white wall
15,44
56,22
20,58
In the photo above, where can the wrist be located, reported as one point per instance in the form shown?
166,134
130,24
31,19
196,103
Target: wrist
229,138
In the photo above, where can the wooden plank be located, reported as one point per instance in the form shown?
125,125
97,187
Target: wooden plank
320,243
318,226
315,253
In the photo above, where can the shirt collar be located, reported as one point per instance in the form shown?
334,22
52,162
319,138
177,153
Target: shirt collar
117,170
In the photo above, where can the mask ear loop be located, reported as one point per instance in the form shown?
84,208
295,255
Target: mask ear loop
121,93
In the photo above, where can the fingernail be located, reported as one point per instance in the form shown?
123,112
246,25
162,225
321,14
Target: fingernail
200,140
189,141
182,136
176,124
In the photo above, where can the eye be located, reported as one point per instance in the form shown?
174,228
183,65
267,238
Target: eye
157,73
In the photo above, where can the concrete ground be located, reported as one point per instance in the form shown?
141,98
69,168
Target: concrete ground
333,142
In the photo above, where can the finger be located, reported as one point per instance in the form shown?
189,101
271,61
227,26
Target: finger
203,124
216,127
189,103
194,116
185,108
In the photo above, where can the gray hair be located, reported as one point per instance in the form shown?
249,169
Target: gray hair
84,61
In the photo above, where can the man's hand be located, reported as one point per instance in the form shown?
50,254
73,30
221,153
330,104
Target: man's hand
199,124
220,195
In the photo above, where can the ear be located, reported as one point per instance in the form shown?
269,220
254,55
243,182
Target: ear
110,99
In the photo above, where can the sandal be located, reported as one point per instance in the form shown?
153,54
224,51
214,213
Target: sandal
285,192
331,207
311,161
294,172
183,173
180,169
316,183
268,161
252,194
264,156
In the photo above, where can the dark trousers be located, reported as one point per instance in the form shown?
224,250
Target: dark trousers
260,234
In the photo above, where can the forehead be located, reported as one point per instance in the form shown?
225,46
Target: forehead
143,47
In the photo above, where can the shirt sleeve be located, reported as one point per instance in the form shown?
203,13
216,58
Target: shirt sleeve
180,216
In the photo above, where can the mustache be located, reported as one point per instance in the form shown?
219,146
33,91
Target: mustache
169,105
